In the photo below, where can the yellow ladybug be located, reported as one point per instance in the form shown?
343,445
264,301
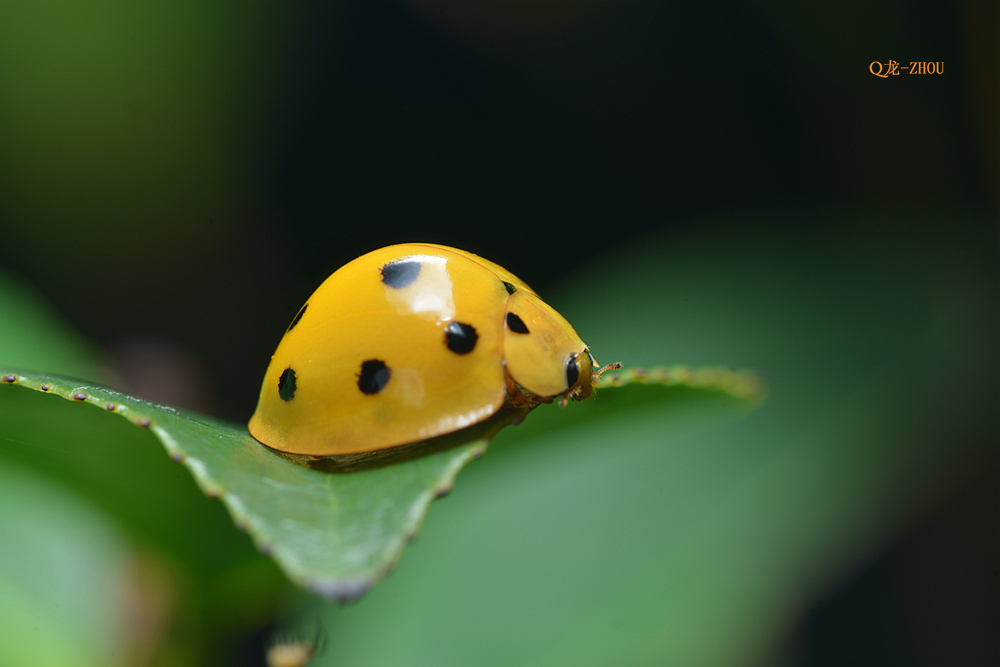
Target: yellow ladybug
410,342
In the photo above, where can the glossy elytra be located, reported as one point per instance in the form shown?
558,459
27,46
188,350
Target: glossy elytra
410,342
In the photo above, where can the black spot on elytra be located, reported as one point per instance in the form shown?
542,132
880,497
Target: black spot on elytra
374,376
516,324
509,287
400,273
286,384
572,370
302,311
460,337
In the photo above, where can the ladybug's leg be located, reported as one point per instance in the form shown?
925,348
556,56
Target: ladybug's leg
515,396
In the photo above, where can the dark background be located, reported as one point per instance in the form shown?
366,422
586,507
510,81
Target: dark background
177,180
212,196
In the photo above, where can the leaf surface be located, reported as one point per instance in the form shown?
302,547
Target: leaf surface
336,533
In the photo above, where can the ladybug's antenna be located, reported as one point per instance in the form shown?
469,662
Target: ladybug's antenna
610,367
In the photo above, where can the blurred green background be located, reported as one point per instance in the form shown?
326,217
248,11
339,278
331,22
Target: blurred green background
720,183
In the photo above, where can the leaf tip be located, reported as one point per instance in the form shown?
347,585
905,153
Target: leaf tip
341,591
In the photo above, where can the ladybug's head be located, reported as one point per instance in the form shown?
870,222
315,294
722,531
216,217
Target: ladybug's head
580,376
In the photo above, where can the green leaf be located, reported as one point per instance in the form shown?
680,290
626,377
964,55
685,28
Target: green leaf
60,562
334,532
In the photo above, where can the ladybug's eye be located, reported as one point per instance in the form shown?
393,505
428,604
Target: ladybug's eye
572,370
